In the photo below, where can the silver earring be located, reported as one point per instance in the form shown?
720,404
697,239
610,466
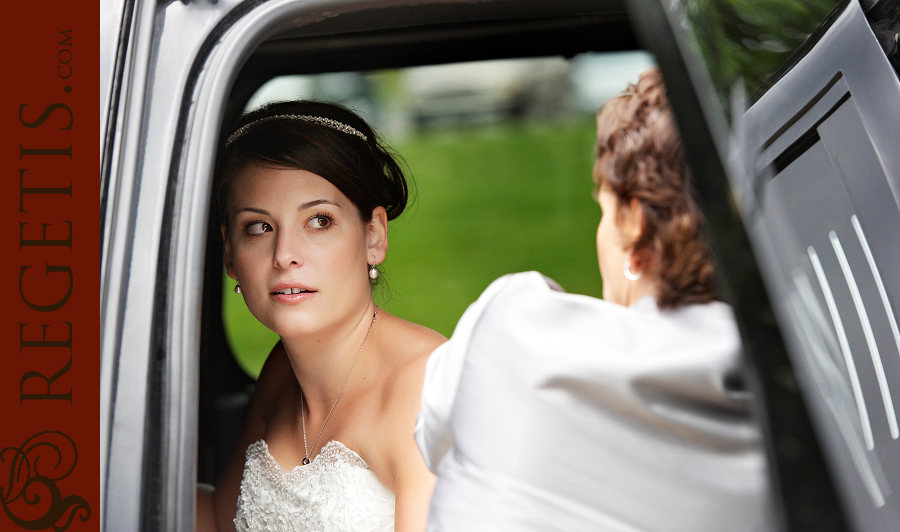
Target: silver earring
373,272
237,288
630,275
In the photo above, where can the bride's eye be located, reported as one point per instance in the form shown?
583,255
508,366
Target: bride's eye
320,221
257,228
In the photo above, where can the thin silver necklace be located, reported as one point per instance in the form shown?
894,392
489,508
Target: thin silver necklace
303,417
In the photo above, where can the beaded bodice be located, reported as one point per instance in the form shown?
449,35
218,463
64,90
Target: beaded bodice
335,492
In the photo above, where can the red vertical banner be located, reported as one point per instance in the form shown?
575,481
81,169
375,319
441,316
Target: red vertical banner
50,248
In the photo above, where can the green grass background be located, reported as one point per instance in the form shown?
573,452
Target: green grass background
491,200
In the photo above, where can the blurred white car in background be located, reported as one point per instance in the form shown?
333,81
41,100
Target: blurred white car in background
482,91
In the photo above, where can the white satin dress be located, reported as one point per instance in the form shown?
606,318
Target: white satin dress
336,492
549,411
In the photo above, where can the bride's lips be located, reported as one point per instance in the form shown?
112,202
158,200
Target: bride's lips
291,293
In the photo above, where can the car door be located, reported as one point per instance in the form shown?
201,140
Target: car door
805,174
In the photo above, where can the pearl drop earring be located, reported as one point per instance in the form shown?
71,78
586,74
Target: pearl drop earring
237,288
373,271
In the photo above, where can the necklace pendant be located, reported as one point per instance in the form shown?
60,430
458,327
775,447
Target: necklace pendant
303,416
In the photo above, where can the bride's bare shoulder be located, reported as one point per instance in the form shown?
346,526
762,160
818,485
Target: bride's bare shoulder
405,347
405,350
411,343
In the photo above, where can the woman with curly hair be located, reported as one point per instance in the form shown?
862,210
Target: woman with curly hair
552,411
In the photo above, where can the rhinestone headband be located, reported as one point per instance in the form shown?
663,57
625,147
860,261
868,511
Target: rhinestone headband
327,122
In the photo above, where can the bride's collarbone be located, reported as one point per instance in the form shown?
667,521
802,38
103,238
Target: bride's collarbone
353,423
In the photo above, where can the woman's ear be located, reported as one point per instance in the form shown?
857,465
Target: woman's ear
632,220
229,264
633,223
377,235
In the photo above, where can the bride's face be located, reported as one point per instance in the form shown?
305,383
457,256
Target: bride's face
300,250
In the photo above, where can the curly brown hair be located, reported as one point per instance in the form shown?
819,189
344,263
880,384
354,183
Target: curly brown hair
640,156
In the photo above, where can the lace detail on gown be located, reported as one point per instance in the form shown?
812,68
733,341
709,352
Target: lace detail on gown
335,492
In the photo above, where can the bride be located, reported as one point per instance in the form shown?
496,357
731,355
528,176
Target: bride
306,191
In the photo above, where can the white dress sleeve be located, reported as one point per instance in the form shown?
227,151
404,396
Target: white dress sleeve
442,374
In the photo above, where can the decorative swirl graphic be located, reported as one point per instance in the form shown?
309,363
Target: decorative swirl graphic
32,500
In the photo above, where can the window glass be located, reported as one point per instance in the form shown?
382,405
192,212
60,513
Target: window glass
750,40
500,152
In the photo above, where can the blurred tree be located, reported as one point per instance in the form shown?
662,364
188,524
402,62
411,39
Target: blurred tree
750,39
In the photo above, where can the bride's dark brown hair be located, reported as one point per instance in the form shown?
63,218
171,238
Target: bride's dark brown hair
640,156
363,169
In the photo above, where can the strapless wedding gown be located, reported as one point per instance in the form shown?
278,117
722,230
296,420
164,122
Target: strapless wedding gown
335,492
